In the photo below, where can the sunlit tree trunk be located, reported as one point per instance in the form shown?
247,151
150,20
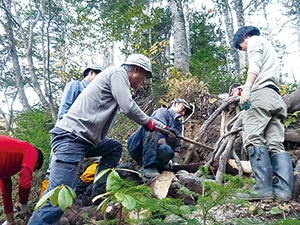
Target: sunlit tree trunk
15,59
226,11
108,59
181,51
28,44
239,10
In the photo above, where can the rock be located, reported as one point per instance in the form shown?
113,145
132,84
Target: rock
174,219
190,181
64,221
160,186
175,193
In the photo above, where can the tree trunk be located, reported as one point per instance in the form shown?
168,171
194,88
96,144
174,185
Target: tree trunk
108,59
293,100
226,11
239,10
15,59
28,44
181,52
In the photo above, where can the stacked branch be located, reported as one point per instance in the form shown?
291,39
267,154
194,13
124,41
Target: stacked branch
224,145
193,148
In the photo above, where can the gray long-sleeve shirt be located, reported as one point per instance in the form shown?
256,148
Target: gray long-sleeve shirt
95,110
263,62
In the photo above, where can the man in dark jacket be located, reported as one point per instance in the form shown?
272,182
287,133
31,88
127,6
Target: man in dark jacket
153,150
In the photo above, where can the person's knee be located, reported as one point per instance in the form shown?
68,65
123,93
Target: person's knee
165,153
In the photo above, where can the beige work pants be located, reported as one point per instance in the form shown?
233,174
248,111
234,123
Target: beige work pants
263,122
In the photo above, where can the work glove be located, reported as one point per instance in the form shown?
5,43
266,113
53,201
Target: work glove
173,135
245,101
150,126
25,210
9,223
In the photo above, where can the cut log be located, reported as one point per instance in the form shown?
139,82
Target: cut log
160,187
245,165
292,135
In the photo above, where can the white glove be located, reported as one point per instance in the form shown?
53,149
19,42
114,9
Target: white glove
245,101
25,209
9,223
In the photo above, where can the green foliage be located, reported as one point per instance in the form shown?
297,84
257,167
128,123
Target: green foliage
291,118
119,190
286,89
62,196
33,127
208,61
275,210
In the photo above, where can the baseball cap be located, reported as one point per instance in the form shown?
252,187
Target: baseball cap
186,105
141,61
92,67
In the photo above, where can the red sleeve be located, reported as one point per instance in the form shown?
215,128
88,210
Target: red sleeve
25,179
6,189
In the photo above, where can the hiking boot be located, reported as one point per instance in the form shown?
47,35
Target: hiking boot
283,176
149,172
176,160
263,173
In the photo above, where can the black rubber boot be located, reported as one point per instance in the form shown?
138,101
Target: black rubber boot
283,176
262,169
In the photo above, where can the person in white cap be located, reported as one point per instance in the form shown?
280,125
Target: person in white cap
84,127
71,92
75,87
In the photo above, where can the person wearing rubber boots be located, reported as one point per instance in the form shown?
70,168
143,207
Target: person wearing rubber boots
265,111
153,150
85,126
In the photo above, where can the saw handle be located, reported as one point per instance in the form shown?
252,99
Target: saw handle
163,131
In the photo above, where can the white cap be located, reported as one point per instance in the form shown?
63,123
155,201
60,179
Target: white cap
141,61
92,67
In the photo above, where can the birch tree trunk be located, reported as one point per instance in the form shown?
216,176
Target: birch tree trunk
239,10
108,59
181,52
298,25
226,11
27,39
15,59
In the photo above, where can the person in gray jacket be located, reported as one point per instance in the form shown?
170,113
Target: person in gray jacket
85,126
265,111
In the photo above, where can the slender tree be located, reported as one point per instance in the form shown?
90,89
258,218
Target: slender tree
181,50
10,23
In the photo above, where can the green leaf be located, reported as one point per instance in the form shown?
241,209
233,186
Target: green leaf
275,210
100,196
260,212
99,175
54,197
128,170
43,200
129,202
72,192
119,196
103,205
65,199
110,183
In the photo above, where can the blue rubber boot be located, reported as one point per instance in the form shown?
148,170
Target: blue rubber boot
283,176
